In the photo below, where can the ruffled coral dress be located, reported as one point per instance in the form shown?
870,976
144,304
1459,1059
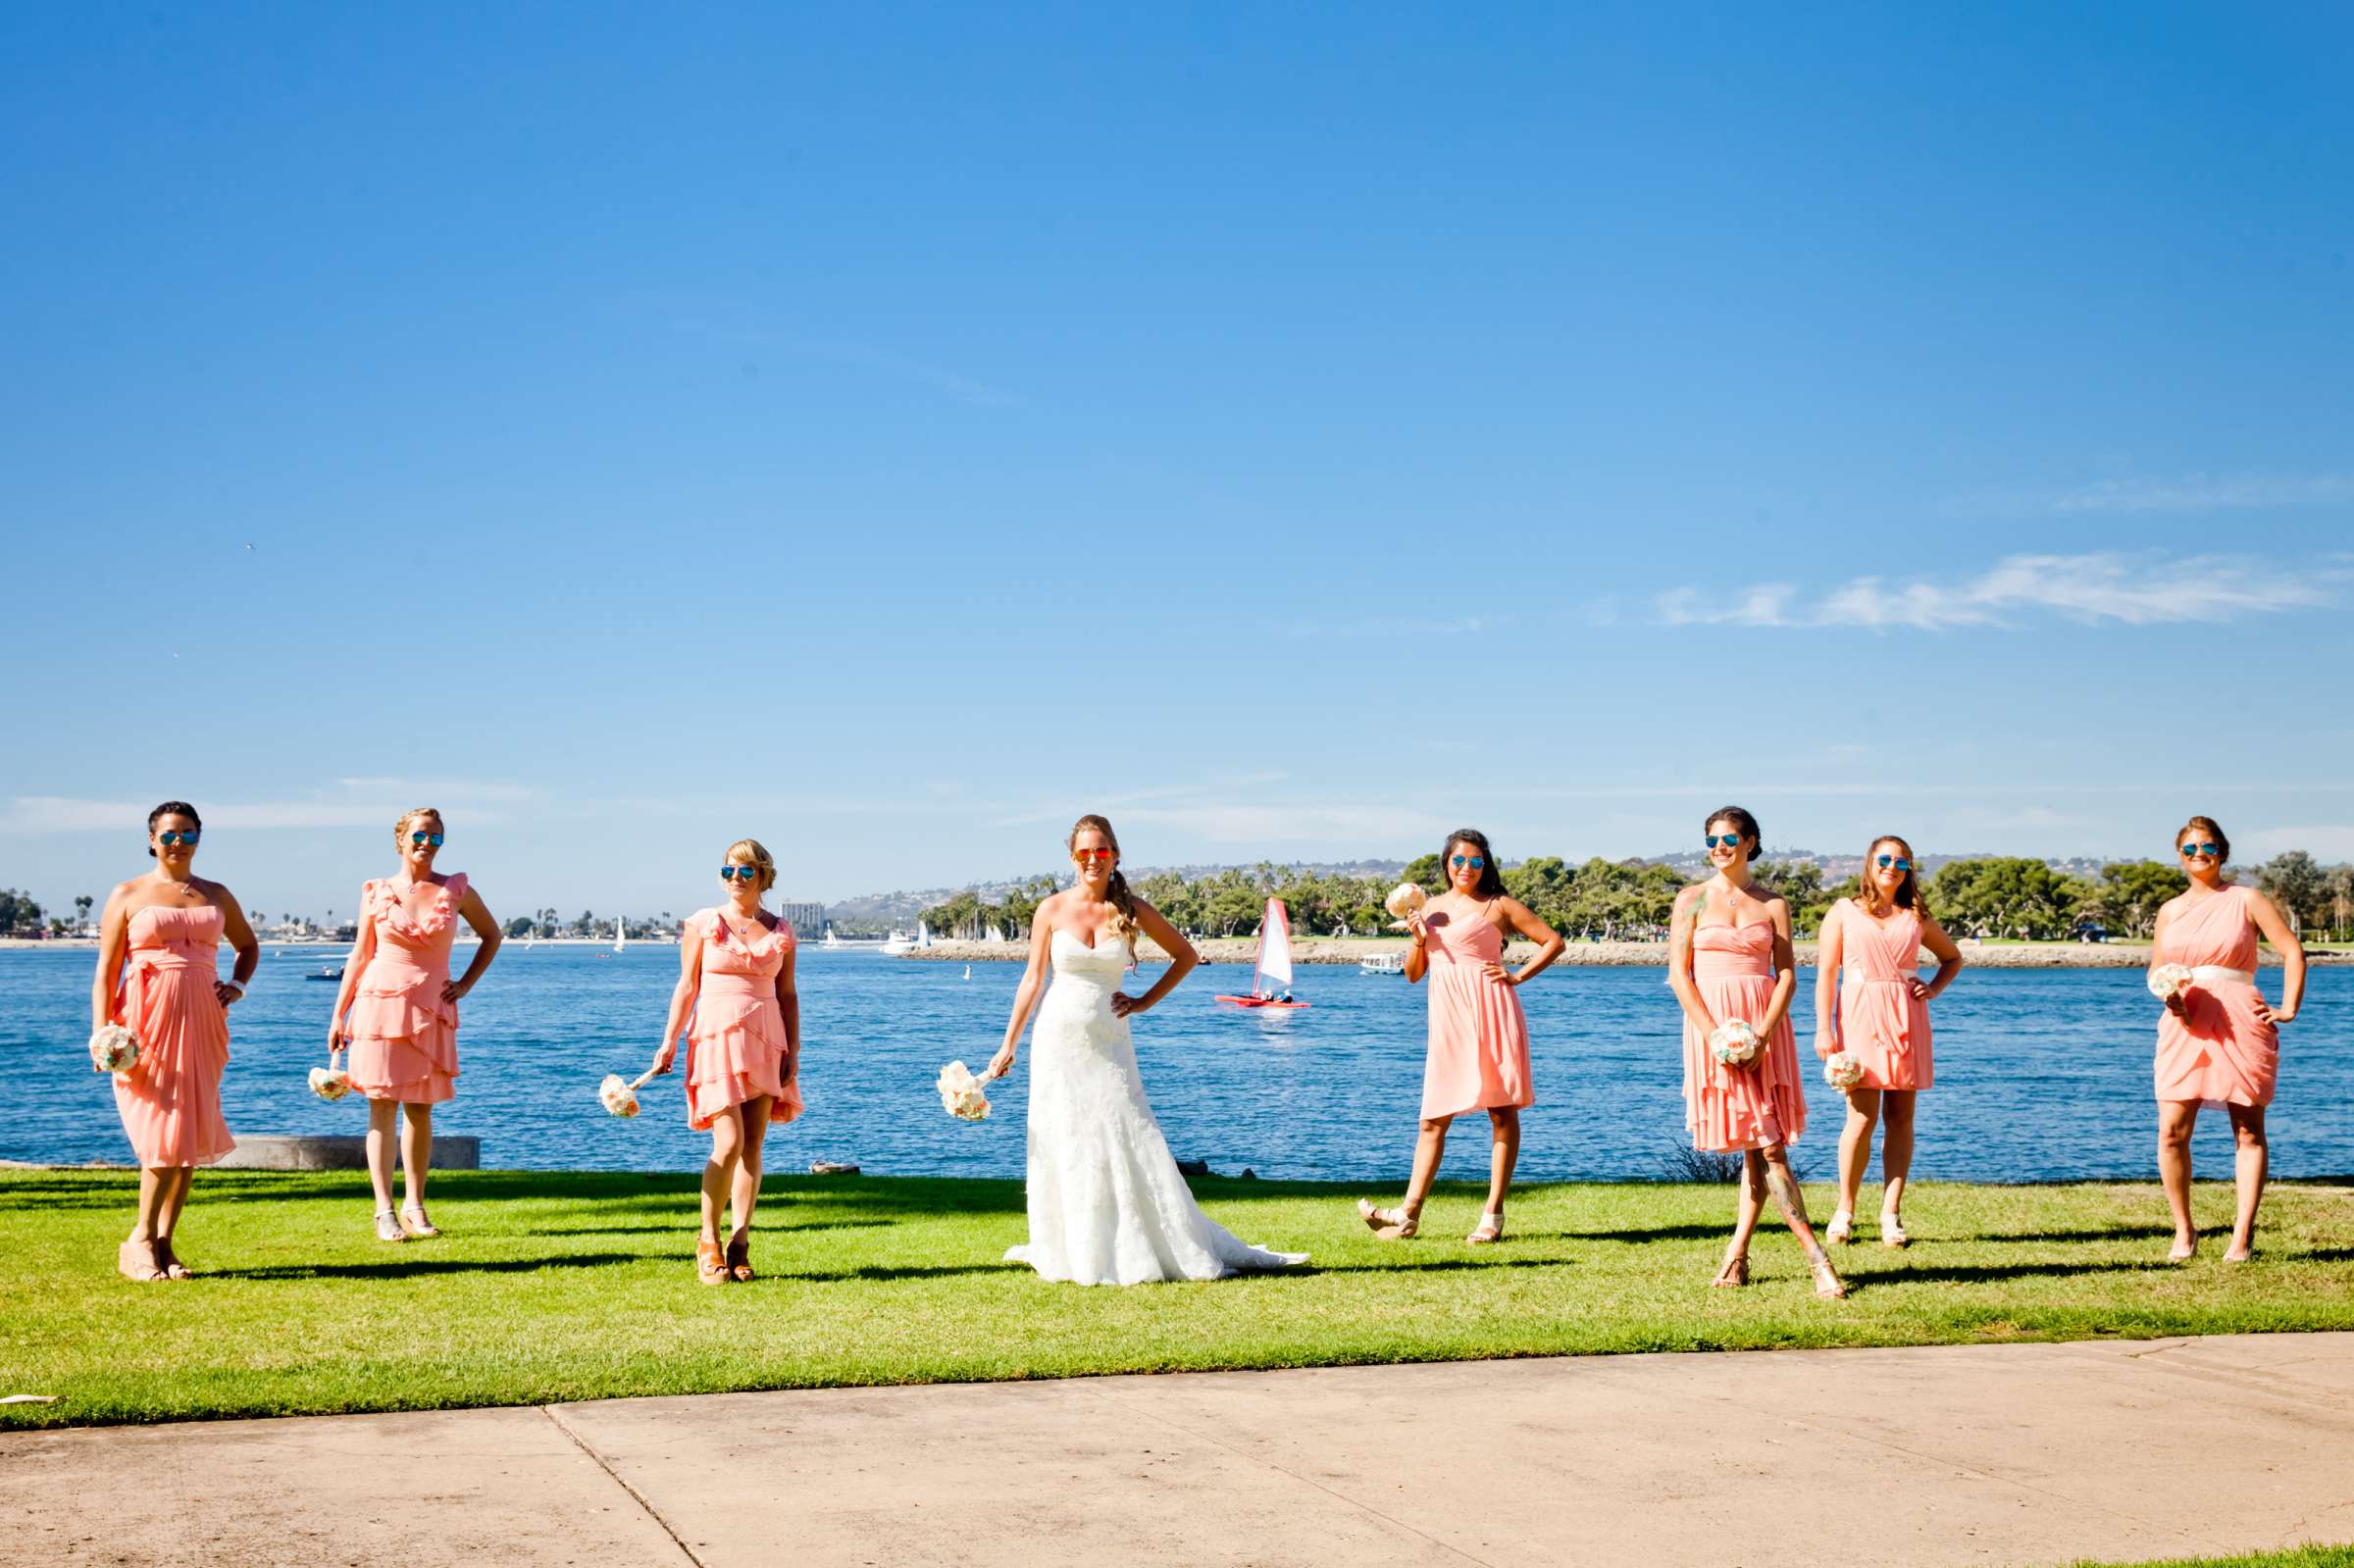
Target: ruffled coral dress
1478,1055
404,1038
2221,1053
1882,1025
1763,1100
736,1048
170,1098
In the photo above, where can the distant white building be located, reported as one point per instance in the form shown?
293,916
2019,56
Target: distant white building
808,920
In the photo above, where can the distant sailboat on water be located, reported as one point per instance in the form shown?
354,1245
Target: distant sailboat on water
621,933
1271,977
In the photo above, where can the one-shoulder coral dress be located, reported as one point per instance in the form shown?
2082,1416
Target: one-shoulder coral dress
170,1098
404,1038
1882,1025
2220,1053
736,1048
1763,1100
1478,1054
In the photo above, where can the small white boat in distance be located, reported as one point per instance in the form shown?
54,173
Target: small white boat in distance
897,942
1382,964
994,933
621,933
830,940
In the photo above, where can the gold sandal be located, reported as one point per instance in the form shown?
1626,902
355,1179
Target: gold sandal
1827,1284
1390,1225
413,1221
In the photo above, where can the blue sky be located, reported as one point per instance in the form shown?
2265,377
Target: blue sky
891,431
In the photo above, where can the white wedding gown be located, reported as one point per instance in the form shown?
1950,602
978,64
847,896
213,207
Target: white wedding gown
1106,1204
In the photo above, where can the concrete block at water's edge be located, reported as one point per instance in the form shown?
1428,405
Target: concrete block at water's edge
274,1153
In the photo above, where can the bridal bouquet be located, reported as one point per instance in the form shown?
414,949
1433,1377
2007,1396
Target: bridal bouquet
619,1094
2169,981
960,1094
114,1049
330,1082
1841,1070
1404,900
1734,1043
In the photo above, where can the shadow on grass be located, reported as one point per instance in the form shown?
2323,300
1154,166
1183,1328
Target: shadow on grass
687,1223
1654,1232
420,1268
1983,1273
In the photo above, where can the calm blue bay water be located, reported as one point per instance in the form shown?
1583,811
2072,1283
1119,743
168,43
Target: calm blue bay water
2041,1075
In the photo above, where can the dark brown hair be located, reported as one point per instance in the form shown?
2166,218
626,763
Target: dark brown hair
171,808
1907,893
1123,898
2213,829
1491,875
1743,823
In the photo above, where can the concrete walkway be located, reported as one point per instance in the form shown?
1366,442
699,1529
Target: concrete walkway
1970,1455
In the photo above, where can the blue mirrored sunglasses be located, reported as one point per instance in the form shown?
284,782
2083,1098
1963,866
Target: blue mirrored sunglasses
1475,862
1730,840
746,873
1895,863
189,837
432,838
2206,851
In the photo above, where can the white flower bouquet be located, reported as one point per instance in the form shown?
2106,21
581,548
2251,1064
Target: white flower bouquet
619,1094
1404,900
114,1049
1841,1070
1734,1043
2169,981
330,1082
960,1094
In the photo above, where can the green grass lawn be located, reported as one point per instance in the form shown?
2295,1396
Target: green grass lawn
2294,1557
554,1287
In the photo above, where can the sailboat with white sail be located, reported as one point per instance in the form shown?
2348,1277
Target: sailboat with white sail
1271,976
621,933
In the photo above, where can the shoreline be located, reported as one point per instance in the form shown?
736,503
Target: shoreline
1327,950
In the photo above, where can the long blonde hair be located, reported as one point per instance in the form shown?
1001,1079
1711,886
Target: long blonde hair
1124,924
1907,893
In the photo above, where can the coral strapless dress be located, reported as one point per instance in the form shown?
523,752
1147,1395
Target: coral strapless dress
1763,1101
170,1098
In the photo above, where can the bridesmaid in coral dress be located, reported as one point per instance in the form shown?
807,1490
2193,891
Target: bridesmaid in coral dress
1729,959
397,1009
157,975
1871,1002
1477,1058
2218,1043
738,1006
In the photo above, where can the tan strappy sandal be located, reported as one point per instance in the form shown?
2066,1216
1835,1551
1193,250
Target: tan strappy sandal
413,1221
1733,1274
1390,1225
1490,1229
1827,1283
172,1267
136,1260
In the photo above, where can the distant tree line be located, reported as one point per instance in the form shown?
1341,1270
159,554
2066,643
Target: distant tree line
1630,901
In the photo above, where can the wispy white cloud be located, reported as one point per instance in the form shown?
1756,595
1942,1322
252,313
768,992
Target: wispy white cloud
2091,589
354,803
2179,493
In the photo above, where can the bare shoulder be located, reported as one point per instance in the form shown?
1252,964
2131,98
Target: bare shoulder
1694,893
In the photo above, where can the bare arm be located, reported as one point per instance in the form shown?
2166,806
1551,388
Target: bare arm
1688,905
682,995
788,1002
2292,958
1785,969
477,916
1518,917
114,941
363,947
1025,995
1182,959
1828,950
1949,958
248,947
1417,955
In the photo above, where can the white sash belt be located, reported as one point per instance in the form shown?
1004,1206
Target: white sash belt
2211,973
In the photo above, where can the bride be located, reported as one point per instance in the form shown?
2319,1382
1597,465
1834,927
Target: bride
1106,1204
